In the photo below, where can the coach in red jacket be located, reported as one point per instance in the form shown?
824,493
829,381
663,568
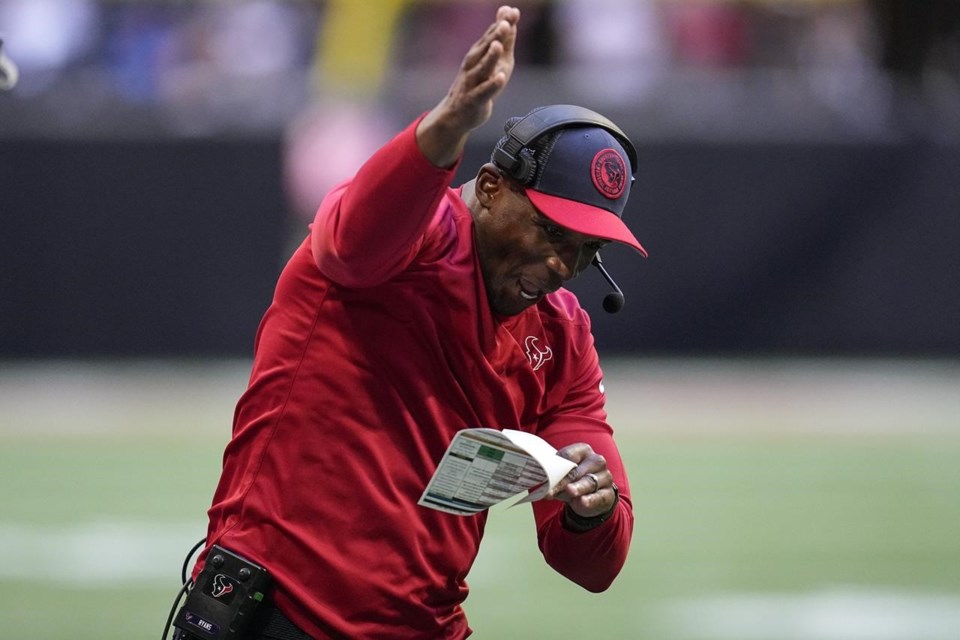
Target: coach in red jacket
411,311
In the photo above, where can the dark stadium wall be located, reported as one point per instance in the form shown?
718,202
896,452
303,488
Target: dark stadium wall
171,248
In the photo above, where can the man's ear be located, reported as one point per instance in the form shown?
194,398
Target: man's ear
488,184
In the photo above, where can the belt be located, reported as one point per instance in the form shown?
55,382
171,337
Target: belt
271,624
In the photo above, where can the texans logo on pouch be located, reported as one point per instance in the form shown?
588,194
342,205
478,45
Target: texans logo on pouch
609,173
221,587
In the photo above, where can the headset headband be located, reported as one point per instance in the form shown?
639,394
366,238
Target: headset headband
542,121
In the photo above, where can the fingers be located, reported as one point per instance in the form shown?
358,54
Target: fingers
511,16
502,29
490,60
486,71
585,484
588,488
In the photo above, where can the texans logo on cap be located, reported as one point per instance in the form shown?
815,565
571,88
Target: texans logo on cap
609,173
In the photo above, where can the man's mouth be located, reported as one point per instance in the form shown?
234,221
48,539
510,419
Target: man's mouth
529,291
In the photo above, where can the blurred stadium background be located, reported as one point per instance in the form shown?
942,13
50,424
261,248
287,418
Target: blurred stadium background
785,378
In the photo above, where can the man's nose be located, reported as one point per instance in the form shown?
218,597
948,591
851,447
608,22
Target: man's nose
564,263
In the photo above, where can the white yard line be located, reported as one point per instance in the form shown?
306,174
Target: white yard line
96,554
675,397
836,613
780,397
139,398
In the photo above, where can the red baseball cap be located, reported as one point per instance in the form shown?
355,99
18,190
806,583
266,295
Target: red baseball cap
582,182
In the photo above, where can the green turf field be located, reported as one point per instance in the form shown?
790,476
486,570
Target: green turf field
840,530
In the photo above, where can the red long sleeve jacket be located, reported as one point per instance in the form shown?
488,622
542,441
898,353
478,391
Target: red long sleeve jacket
378,347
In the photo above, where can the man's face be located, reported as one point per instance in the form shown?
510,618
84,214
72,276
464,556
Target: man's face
523,254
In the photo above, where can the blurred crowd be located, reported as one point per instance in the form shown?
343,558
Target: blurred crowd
202,65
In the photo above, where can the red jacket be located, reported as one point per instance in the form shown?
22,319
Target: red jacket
379,346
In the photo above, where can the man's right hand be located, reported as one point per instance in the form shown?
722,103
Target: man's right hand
483,75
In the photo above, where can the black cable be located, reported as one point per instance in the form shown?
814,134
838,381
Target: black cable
173,608
187,583
186,561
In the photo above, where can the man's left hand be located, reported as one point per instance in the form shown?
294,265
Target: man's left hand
588,488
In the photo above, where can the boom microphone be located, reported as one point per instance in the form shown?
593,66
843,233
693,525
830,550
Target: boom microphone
613,301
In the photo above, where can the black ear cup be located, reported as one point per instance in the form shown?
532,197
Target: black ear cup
521,166
503,158
526,167
517,161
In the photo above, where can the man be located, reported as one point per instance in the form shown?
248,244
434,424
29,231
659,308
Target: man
407,315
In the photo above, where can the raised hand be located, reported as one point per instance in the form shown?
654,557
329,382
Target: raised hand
482,77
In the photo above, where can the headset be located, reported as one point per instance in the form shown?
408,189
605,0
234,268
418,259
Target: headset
515,156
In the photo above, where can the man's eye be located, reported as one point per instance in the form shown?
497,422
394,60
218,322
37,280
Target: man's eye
554,231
